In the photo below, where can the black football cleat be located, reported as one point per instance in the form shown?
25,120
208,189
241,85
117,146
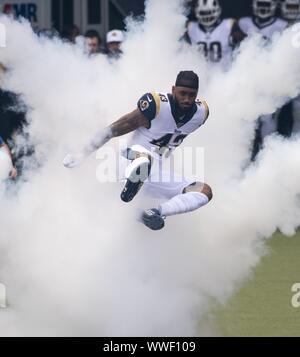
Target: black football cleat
153,219
130,190
136,178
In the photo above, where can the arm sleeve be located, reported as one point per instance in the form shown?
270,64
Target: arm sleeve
149,105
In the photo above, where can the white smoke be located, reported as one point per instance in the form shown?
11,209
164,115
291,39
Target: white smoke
73,257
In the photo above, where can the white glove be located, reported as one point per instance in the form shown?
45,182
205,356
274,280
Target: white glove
71,161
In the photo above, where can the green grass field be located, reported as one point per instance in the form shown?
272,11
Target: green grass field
263,306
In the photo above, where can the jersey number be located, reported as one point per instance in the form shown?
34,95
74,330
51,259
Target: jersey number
169,140
213,52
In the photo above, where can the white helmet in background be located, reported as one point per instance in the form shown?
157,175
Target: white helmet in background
290,10
264,9
208,12
5,165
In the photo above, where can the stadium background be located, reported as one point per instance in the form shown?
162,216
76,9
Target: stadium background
102,14
263,305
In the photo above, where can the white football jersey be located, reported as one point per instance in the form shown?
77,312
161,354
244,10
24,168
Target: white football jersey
215,45
249,27
167,130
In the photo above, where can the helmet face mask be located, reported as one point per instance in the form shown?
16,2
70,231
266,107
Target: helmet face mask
264,9
208,12
290,10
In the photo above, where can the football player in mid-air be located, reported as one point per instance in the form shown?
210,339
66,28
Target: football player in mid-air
160,123
215,37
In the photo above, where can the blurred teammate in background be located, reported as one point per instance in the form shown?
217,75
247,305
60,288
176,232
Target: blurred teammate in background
215,38
265,22
289,115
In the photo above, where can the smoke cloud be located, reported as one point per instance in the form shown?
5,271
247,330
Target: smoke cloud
73,257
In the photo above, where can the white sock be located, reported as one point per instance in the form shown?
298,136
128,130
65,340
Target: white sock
183,203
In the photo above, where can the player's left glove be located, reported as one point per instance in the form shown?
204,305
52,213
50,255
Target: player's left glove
71,161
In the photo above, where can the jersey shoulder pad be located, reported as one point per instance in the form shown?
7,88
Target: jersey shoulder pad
282,23
245,24
203,103
229,23
191,24
192,28
149,105
244,20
